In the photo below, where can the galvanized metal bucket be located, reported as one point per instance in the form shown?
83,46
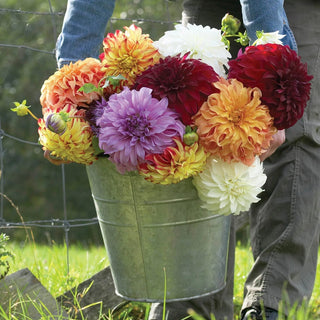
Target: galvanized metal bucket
156,234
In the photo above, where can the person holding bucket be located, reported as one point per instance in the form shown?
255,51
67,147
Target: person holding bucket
285,224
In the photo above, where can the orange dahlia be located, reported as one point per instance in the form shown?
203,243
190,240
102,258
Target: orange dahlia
233,124
128,53
74,144
63,86
174,164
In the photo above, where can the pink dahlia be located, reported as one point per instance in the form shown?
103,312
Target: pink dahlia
135,124
185,82
281,76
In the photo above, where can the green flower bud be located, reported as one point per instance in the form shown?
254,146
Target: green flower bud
21,108
190,136
56,123
230,25
243,39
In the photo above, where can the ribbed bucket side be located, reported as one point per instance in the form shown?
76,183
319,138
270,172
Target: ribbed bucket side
148,228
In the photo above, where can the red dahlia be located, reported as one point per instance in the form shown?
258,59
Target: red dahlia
281,76
185,82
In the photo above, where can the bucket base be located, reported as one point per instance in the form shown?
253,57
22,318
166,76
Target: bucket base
170,300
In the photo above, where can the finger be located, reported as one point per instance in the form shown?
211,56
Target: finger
277,140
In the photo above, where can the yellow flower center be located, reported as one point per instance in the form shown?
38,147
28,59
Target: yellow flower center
235,116
127,63
234,186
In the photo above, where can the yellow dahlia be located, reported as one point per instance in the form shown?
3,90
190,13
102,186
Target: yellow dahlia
233,124
63,86
74,145
174,164
128,53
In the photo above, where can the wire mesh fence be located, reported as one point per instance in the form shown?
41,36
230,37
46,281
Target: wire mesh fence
35,194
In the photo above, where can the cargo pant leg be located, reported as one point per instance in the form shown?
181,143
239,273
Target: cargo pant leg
285,224
285,227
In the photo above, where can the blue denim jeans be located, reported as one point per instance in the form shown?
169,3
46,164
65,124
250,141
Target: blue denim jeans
285,224
83,29
267,16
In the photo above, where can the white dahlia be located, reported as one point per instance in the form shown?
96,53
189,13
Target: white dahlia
229,188
268,37
203,43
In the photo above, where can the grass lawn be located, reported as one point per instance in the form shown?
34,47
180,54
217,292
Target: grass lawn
49,265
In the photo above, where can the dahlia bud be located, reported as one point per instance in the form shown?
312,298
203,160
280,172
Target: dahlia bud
230,24
56,122
21,108
243,39
190,136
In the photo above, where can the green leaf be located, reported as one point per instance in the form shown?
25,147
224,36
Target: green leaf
95,145
114,80
5,256
88,88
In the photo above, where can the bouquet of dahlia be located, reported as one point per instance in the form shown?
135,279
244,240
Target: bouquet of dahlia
177,108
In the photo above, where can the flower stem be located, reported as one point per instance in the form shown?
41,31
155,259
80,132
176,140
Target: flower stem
32,115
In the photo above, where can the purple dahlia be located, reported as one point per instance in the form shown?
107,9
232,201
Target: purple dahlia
135,124
94,112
